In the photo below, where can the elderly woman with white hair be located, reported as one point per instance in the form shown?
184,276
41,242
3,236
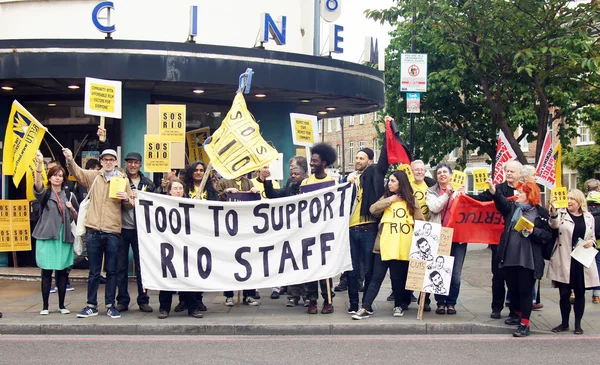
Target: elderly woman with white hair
528,174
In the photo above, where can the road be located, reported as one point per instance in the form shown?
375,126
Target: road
565,348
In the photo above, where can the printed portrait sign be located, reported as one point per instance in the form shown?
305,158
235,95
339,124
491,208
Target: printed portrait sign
438,275
425,241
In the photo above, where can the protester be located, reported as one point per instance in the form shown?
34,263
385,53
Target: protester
323,155
440,198
224,186
168,177
129,238
574,224
175,188
592,188
103,224
520,253
368,188
54,245
512,171
392,246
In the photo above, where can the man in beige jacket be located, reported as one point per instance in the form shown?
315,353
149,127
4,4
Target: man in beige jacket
103,225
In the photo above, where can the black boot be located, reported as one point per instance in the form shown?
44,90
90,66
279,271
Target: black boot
522,331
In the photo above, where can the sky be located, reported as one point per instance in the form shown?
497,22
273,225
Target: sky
357,27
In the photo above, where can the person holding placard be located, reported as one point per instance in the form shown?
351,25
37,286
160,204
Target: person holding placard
520,253
103,224
54,248
397,209
512,171
575,226
440,198
592,188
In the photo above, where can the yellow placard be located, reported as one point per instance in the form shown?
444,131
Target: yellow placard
21,237
195,139
117,185
561,196
523,223
102,98
157,154
416,274
19,212
171,123
5,239
4,214
458,179
481,176
408,170
303,129
237,148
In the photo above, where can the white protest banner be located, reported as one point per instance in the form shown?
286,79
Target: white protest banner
102,98
504,153
545,171
199,245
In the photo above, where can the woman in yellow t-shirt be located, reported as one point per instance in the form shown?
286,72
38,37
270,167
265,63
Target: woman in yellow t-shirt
398,210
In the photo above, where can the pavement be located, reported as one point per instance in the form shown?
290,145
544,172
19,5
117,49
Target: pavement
20,302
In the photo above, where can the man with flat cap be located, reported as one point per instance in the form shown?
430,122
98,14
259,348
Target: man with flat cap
103,225
129,237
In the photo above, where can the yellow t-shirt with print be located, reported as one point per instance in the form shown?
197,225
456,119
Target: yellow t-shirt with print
355,219
193,192
396,232
261,187
420,193
312,179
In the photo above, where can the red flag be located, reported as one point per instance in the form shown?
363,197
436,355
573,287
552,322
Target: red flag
397,151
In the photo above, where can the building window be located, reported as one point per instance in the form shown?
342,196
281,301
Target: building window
583,134
361,145
375,149
338,124
351,153
328,125
361,119
351,121
374,117
338,149
454,154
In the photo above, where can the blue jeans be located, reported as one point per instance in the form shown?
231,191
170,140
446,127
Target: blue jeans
361,243
129,237
459,251
101,244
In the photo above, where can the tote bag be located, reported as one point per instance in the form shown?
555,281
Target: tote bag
83,208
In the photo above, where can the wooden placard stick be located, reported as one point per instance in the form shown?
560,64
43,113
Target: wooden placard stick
15,262
421,305
205,178
102,122
328,291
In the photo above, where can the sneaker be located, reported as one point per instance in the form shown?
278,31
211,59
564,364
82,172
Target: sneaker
522,331
250,301
362,314
70,288
112,312
327,309
398,312
495,315
163,314
145,308
537,306
52,289
427,308
87,312
312,307
391,297
275,294
291,302
341,287
122,307
64,311
44,312
596,299
180,307
202,307
306,303
196,314
512,321
229,302
353,309
257,295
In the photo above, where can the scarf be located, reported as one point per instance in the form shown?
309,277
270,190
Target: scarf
519,213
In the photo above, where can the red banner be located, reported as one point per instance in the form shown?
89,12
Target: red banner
475,222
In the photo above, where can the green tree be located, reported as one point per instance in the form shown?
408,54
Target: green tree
494,64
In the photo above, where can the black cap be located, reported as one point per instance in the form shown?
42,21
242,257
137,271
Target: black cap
133,156
369,152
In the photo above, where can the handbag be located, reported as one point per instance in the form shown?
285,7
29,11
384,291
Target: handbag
83,208
77,241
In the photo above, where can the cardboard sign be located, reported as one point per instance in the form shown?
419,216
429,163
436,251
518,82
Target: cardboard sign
276,168
481,176
458,179
561,196
5,239
237,147
4,213
19,212
157,154
416,274
102,98
445,241
438,276
194,141
304,129
167,123
15,232
171,126
21,237
408,170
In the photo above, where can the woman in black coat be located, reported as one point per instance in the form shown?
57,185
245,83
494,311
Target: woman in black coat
520,252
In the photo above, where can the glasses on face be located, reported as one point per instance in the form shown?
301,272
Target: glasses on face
109,160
